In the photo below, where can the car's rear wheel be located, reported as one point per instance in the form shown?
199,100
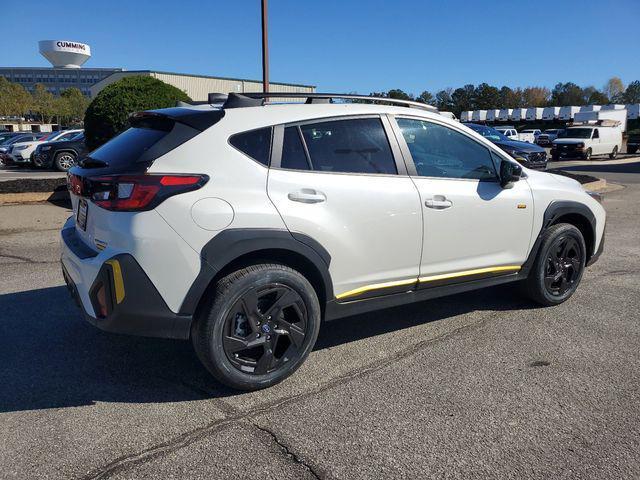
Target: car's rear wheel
614,153
64,161
559,265
259,328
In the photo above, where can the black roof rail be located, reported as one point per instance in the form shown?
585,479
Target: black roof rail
327,97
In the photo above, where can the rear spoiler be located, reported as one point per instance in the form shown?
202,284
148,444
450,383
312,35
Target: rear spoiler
164,119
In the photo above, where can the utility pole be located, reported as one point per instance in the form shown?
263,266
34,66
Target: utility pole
265,48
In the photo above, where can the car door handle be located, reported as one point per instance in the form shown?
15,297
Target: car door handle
307,195
438,202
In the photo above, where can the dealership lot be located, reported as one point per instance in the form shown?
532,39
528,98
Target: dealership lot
480,385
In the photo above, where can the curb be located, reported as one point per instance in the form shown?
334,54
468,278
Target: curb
600,184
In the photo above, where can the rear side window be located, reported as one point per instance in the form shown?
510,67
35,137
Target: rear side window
293,154
256,144
352,146
128,147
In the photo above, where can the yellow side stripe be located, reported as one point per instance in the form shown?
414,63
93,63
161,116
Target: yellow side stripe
477,271
118,283
376,286
430,278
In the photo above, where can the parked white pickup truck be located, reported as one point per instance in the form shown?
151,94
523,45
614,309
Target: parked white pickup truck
511,133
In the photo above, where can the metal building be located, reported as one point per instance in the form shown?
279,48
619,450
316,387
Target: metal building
56,80
199,86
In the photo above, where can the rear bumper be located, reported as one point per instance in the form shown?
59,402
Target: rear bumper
132,304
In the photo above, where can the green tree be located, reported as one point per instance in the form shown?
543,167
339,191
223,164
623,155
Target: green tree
399,94
463,99
108,113
426,97
614,89
632,93
486,96
535,96
567,94
510,98
14,99
444,102
44,103
592,96
74,104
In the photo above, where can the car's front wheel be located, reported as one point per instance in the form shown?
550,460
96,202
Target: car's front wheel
587,154
259,328
559,265
64,161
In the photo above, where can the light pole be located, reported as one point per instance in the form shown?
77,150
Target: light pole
265,49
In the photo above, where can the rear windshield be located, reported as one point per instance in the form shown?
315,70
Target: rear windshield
128,147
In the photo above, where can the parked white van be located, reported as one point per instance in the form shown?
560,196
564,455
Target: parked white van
534,113
567,113
633,111
584,141
466,116
590,108
519,114
550,113
614,106
479,116
493,115
505,114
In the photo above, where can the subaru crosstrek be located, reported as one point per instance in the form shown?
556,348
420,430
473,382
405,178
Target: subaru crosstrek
243,226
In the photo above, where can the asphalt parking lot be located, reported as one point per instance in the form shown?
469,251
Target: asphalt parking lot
479,385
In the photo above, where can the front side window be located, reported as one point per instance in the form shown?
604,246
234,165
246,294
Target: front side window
351,146
440,151
255,143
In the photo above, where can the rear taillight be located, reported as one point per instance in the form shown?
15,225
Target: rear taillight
132,193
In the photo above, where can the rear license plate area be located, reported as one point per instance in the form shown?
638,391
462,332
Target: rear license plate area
81,217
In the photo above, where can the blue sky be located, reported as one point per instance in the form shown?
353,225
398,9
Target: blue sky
346,46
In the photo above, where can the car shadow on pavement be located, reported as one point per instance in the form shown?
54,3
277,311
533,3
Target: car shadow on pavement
51,358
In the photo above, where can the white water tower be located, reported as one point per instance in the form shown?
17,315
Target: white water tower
64,53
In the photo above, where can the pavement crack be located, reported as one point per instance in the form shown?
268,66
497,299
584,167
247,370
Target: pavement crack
24,259
287,451
192,436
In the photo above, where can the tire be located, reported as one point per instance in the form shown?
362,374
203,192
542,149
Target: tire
63,161
632,150
587,155
614,153
554,278
249,348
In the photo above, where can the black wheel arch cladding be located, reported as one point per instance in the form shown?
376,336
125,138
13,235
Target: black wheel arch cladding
572,212
231,245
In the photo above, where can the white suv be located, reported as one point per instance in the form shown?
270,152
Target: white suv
244,226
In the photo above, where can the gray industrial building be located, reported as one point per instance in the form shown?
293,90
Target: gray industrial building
67,58
199,86
57,80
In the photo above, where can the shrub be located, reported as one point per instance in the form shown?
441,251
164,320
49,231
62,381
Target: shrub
108,113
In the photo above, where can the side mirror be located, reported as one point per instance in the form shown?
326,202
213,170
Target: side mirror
509,172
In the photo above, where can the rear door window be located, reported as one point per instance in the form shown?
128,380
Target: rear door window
293,153
350,146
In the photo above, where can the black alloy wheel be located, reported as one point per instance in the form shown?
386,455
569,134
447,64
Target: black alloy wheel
558,267
265,329
563,266
258,327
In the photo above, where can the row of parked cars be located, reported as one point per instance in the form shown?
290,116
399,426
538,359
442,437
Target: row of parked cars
50,150
582,141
